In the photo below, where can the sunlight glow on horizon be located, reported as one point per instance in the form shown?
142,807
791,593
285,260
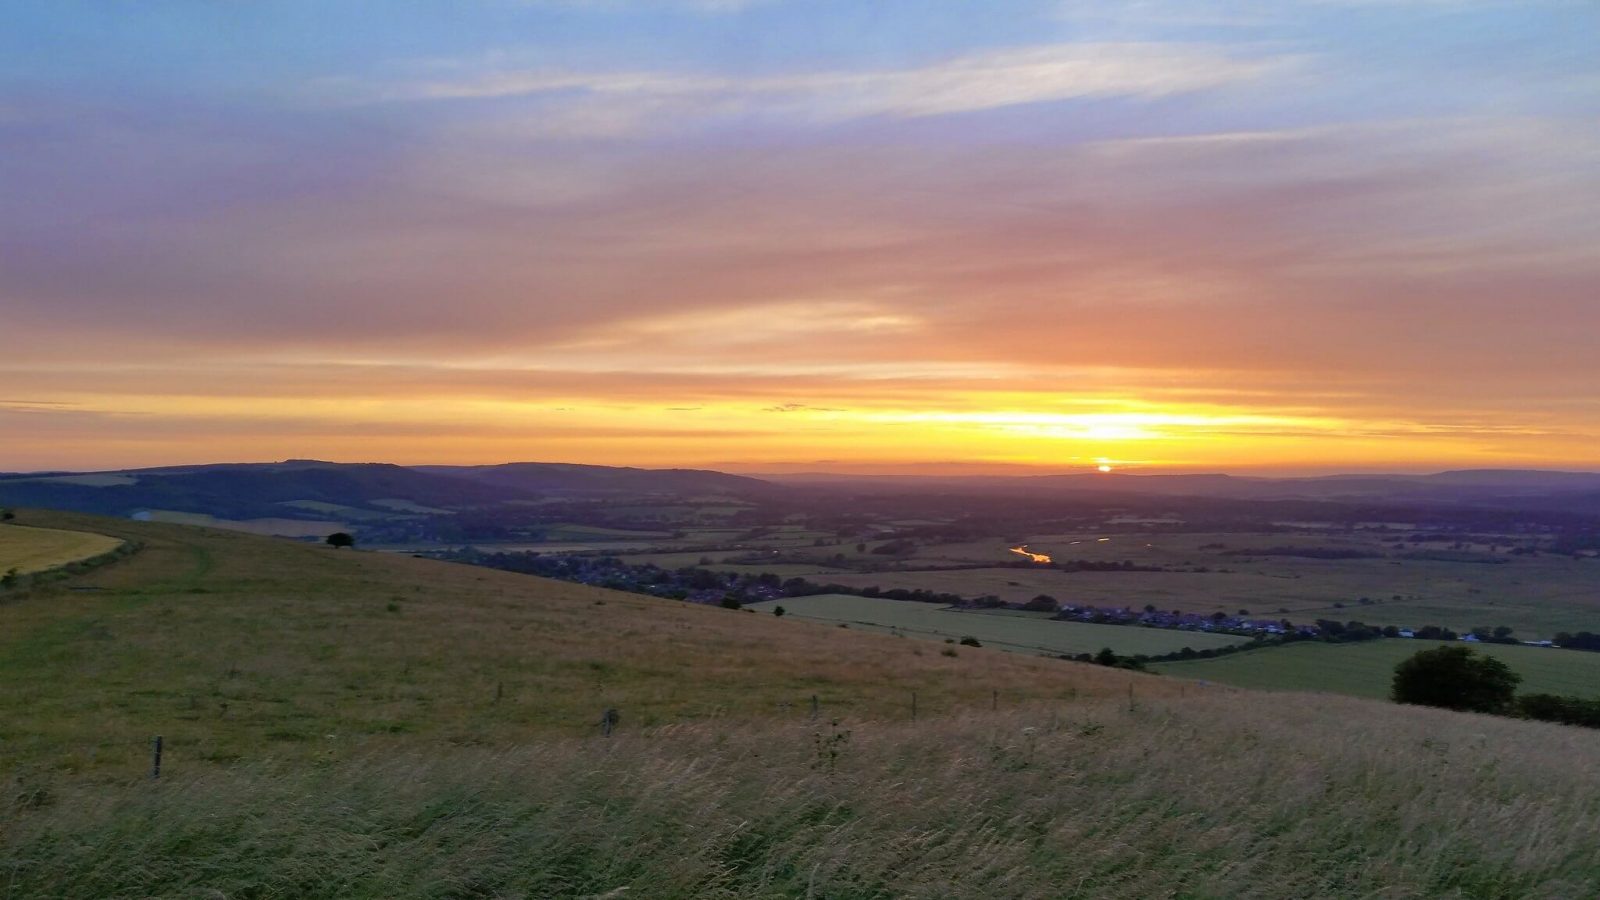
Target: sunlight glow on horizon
786,236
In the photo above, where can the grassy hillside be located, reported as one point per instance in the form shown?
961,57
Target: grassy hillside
334,730
37,549
1366,669
239,648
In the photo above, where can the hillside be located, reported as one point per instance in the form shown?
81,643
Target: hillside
246,490
354,724
569,478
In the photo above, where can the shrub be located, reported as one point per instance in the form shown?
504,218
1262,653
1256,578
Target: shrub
731,602
778,610
970,641
1455,678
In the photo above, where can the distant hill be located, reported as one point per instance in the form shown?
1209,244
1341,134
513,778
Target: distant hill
313,489
572,478
245,490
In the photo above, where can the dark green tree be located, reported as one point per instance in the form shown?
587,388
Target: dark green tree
1106,657
1455,678
340,539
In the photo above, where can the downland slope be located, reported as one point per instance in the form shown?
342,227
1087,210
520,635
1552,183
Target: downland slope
350,724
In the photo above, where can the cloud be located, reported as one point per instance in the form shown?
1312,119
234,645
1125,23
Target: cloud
620,102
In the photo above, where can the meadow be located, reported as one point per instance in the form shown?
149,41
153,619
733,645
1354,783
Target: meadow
1365,669
349,724
29,550
1013,630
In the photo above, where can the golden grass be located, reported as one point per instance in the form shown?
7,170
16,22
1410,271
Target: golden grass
240,648
321,745
29,549
1217,796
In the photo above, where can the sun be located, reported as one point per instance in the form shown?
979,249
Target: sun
1104,467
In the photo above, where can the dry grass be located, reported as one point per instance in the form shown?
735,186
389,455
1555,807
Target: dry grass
240,648
28,549
1220,796
321,745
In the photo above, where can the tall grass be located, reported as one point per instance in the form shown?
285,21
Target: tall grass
1220,796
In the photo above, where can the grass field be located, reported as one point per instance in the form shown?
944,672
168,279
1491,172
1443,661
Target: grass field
240,648
1536,596
346,724
1016,631
276,527
1365,669
38,549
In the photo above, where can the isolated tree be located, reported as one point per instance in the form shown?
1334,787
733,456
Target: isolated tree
7,515
1455,678
340,539
778,610
1106,657
729,601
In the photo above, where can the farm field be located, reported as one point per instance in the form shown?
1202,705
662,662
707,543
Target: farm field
29,549
269,526
1365,669
1015,631
1536,596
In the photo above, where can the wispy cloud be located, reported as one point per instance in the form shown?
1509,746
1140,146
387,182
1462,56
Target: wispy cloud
609,102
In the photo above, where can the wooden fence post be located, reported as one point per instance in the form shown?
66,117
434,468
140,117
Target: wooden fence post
813,707
913,706
155,757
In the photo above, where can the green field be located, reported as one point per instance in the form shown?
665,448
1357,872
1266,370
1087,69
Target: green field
272,526
37,549
348,724
1008,630
1365,669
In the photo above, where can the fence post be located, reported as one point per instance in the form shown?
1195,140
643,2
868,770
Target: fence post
608,720
913,706
155,757
994,700
813,707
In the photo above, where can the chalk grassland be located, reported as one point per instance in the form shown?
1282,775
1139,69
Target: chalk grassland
1366,669
1017,631
240,648
1536,596
1209,796
28,549
344,724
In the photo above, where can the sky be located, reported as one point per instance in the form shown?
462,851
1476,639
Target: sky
1285,236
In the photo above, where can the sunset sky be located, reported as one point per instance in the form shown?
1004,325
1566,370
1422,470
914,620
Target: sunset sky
768,235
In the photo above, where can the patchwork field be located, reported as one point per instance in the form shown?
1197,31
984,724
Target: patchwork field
29,549
1537,596
1020,632
1365,669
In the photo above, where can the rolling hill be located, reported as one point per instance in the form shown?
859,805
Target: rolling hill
343,724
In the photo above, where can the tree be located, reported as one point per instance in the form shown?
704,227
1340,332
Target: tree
1455,678
340,539
7,515
778,610
729,601
1042,603
1106,657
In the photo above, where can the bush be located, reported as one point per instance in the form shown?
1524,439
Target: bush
1566,710
778,610
340,539
1455,678
731,602
970,641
